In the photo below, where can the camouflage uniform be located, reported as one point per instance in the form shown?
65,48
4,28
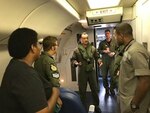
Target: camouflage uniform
107,61
47,68
86,71
116,66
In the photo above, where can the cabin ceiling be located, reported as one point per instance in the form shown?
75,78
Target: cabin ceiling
44,16
81,6
47,17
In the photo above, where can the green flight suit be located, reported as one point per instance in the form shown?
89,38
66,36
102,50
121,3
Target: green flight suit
116,65
86,71
107,61
46,66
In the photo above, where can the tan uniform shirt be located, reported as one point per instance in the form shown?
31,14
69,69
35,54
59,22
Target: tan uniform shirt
135,62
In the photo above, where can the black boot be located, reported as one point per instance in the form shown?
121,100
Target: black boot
97,110
107,91
112,91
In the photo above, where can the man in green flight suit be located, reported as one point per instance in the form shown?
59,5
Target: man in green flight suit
107,50
116,64
84,57
46,65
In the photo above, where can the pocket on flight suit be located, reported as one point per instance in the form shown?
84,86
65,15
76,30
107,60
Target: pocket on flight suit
89,67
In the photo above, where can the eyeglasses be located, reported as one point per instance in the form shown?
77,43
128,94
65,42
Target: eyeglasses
56,44
39,45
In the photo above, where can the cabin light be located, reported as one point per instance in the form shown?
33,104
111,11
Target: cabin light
94,4
69,8
62,80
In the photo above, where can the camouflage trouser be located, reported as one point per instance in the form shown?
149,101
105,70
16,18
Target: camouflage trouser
106,70
83,79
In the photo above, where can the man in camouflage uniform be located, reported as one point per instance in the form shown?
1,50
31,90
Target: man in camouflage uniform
84,57
107,50
46,65
116,66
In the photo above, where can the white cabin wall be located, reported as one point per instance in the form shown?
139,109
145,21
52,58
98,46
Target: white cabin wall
140,22
146,23
47,17
127,13
4,59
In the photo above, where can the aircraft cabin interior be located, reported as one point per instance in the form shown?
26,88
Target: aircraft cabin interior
66,19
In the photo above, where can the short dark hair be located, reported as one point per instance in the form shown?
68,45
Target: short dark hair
48,42
107,30
20,41
124,28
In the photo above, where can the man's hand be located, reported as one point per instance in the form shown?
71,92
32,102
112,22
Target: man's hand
77,63
111,54
100,63
107,50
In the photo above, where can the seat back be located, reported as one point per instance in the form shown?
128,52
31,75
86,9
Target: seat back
71,102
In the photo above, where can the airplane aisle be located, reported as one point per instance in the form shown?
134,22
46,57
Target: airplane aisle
108,104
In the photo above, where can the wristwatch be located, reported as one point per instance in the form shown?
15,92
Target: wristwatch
134,107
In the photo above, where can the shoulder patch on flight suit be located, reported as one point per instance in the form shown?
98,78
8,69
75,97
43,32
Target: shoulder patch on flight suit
55,75
53,68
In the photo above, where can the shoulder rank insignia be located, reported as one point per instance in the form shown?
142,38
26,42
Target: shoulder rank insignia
53,68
